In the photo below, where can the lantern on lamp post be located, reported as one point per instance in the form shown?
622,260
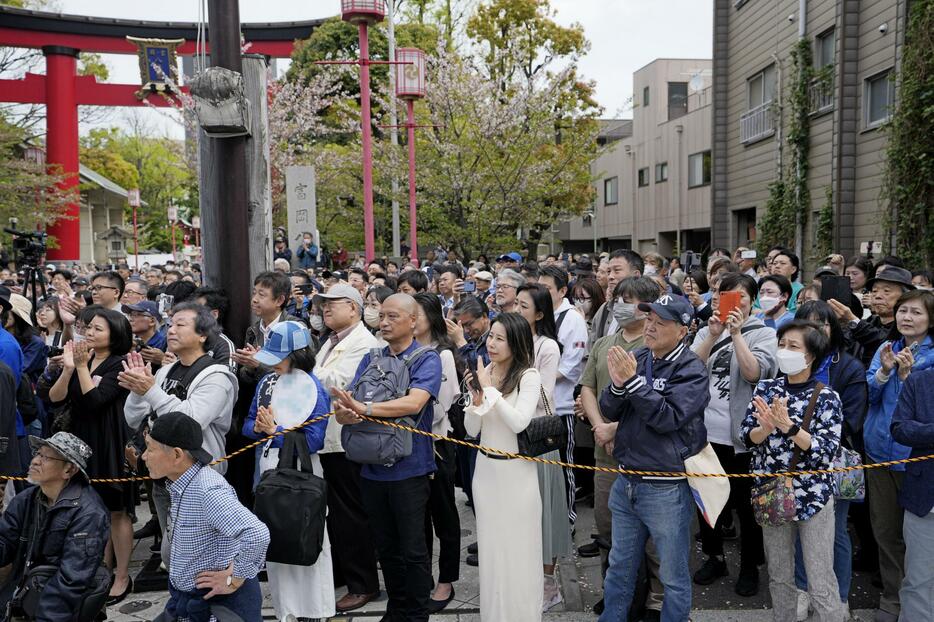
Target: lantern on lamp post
410,85
362,13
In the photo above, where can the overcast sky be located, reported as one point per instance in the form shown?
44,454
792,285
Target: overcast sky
624,36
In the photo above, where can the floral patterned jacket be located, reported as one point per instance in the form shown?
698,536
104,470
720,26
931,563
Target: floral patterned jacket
774,454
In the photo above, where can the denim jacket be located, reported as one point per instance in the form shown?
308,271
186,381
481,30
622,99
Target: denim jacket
880,446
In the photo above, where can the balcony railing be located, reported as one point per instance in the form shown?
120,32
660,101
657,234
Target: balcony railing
757,123
820,94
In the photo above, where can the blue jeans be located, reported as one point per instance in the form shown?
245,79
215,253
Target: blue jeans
660,509
842,553
245,604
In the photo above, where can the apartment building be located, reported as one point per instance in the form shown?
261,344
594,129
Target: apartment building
652,180
859,43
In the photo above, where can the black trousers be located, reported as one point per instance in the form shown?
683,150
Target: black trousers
397,515
352,547
442,517
751,553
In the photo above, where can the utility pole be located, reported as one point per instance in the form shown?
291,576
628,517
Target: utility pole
225,212
394,131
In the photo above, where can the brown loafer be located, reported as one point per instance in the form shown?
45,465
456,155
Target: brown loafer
354,601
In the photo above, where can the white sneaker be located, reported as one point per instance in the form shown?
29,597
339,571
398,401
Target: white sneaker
804,606
552,595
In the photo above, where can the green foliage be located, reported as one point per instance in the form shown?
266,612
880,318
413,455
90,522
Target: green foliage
520,37
786,211
163,176
824,233
28,191
908,182
90,64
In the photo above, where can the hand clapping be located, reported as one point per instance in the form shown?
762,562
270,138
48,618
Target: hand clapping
622,365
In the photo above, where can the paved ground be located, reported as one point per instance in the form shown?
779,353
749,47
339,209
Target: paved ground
580,579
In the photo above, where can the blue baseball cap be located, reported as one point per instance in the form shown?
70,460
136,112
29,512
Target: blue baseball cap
669,307
148,307
513,256
284,338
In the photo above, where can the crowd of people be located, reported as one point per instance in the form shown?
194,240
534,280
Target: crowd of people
641,362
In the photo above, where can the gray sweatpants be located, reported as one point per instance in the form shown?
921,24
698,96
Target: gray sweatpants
917,593
817,537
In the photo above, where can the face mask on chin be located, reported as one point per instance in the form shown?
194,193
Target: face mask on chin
791,362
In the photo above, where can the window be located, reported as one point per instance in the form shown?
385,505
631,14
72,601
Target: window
878,97
116,245
760,88
645,96
677,99
643,177
699,169
824,49
611,191
661,172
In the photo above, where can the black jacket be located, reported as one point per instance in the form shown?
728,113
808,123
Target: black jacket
73,534
661,423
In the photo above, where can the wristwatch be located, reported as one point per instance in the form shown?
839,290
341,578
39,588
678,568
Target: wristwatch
793,430
853,323
369,409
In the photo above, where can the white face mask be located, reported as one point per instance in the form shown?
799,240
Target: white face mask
768,304
316,322
791,362
371,317
650,270
583,306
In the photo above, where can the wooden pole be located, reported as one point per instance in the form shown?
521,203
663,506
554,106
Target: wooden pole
257,162
224,186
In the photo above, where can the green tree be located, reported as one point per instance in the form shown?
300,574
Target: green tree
164,175
28,191
908,183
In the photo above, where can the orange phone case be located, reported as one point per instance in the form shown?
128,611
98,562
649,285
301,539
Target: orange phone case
728,302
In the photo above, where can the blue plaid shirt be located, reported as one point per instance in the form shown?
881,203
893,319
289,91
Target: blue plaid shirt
210,527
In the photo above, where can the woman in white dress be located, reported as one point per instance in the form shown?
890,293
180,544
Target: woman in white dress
298,592
506,499
534,304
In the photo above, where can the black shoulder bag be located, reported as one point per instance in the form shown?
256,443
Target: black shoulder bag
293,505
543,434
26,597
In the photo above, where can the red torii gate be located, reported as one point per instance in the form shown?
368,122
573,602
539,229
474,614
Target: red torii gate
61,38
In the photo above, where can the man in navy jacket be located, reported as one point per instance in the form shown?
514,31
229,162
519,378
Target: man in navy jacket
658,395
913,425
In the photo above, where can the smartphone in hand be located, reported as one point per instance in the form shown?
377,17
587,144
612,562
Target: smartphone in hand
729,301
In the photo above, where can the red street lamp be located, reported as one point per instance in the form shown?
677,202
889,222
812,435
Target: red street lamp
363,13
410,85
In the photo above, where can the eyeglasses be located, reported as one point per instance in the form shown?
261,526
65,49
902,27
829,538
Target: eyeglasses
45,457
505,286
97,288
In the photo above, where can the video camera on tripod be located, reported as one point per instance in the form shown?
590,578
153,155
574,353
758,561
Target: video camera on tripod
28,246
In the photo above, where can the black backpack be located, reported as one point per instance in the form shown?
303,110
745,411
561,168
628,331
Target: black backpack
293,505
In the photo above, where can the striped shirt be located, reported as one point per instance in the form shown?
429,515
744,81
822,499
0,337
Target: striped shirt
209,528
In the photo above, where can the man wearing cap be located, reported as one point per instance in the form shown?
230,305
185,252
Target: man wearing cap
484,281
658,396
348,527
218,547
885,290
144,319
509,261
65,523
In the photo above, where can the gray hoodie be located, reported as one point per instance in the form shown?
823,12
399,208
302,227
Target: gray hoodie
764,345
211,398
